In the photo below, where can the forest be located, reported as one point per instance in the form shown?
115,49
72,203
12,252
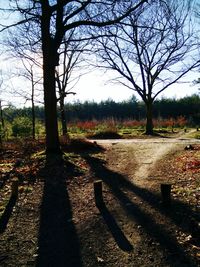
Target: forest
88,115
188,107
167,111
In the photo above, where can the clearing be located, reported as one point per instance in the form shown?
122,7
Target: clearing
55,221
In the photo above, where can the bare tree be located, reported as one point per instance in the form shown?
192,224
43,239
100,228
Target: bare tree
72,66
151,50
53,19
28,67
23,45
29,74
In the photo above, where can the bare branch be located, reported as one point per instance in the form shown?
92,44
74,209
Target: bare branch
151,52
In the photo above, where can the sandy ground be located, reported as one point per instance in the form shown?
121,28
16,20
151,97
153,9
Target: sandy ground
137,158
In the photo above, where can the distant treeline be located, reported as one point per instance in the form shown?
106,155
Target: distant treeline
189,107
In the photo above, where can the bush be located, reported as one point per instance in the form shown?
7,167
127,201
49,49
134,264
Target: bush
107,134
21,127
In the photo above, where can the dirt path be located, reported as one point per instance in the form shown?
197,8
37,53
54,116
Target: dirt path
146,156
58,224
137,168
139,157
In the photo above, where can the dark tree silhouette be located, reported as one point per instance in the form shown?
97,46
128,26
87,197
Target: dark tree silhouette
53,19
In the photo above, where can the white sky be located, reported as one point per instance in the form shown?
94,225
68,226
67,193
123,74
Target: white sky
93,86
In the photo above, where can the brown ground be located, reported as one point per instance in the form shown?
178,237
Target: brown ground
55,223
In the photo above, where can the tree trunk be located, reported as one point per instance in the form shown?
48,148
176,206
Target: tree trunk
33,107
50,106
33,118
2,118
2,128
63,117
50,60
149,118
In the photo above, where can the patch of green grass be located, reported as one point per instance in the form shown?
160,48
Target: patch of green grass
197,136
194,134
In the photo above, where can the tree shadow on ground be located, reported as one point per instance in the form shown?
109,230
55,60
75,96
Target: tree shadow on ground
58,243
174,253
115,230
7,214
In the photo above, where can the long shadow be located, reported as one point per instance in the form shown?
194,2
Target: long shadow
115,230
117,182
7,214
3,180
151,198
58,241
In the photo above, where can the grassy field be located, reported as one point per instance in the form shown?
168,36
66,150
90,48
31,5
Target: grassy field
111,128
107,128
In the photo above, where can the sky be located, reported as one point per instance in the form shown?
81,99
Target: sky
94,86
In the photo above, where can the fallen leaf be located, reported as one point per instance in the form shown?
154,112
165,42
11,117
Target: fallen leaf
100,260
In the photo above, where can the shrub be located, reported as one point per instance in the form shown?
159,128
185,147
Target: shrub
86,125
105,134
133,123
181,121
21,127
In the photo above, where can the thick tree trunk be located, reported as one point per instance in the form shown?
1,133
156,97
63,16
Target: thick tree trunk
50,60
149,118
63,117
50,106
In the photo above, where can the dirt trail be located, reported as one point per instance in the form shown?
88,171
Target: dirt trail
137,158
147,156
139,166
